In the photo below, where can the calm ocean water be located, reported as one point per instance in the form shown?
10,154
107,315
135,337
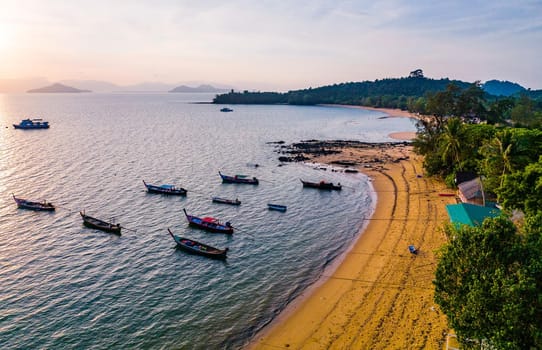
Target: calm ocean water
64,286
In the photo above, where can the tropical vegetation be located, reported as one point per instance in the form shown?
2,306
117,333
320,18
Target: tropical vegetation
488,280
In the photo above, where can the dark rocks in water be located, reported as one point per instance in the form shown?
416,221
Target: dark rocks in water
301,151
297,158
344,162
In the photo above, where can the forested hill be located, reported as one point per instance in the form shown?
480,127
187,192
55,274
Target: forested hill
393,93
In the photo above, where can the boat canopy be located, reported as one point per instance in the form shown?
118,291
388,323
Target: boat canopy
168,187
209,219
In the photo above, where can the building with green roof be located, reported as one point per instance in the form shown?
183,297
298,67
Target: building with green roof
470,214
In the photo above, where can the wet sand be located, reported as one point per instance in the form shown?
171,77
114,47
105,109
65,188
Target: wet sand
380,296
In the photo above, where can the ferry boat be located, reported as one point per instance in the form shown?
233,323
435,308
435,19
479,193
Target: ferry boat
32,124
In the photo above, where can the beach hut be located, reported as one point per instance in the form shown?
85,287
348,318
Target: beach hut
470,214
464,176
471,191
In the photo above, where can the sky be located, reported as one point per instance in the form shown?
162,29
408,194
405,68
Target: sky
270,45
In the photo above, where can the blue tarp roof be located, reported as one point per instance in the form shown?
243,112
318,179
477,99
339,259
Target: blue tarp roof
470,214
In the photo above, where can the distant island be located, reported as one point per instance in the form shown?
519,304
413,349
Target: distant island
57,87
201,88
406,93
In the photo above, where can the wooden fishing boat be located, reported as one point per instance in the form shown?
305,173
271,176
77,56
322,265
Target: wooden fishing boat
195,247
208,224
226,201
26,204
322,185
238,179
98,224
36,123
165,189
276,207
226,109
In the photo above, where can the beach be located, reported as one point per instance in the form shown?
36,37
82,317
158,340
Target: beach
378,295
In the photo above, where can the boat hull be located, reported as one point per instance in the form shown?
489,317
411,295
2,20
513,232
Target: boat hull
194,247
30,205
101,225
197,222
238,180
226,201
322,185
168,191
277,207
16,126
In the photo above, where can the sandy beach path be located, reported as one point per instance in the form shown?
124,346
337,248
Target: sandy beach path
380,296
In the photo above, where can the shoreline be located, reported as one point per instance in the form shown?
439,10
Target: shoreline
377,295
391,112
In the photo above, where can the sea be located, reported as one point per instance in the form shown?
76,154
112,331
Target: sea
65,286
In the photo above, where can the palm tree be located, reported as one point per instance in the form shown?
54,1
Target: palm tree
498,156
451,142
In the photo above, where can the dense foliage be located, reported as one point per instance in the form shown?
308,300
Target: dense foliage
400,93
488,283
488,279
247,97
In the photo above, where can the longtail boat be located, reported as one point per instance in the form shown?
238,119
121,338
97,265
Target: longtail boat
165,189
98,224
276,207
195,247
26,204
226,201
238,179
322,185
208,224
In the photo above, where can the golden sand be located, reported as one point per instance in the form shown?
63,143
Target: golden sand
380,296
392,112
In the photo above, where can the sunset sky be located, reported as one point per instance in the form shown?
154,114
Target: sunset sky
276,45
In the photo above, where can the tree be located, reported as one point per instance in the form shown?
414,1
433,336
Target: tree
523,189
486,284
499,111
524,111
418,73
451,147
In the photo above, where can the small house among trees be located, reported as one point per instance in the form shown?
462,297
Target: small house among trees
471,192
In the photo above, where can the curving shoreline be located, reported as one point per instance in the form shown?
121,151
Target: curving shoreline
379,295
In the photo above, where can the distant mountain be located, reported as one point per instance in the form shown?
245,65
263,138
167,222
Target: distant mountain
201,88
57,87
148,87
93,85
502,88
